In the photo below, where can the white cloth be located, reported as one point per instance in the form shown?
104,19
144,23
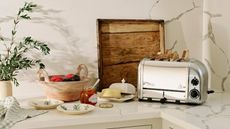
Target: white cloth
11,112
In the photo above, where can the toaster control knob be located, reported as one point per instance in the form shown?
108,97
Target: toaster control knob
194,93
195,81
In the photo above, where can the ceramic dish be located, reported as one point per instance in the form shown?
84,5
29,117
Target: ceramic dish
125,88
75,108
122,99
44,104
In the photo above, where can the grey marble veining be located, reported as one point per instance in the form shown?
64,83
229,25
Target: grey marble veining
155,2
194,6
205,124
211,110
216,108
210,35
173,23
173,46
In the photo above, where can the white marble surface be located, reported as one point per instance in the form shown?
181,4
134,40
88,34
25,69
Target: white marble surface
214,114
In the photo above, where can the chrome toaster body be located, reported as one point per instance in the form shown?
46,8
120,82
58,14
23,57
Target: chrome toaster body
179,82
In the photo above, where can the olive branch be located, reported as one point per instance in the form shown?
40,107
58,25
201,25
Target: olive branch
15,58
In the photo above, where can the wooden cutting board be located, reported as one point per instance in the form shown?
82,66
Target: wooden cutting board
122,43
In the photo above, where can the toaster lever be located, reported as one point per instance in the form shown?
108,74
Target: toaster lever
210,91
163,100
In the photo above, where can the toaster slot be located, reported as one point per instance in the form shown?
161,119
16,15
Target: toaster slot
175,95
152,93
159,94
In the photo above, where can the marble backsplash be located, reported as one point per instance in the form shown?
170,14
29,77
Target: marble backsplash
216,43
69,28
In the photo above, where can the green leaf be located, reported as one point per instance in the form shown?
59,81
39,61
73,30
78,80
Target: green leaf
16,59
15,81
25,16
13,32
28,39
37,61
41,66
33,5
16,21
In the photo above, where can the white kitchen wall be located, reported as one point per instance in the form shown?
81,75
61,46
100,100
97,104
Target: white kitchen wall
216,47
69,28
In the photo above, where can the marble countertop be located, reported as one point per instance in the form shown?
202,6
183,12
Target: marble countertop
213,114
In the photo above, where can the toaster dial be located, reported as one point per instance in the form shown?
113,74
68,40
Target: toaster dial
195,81
194,93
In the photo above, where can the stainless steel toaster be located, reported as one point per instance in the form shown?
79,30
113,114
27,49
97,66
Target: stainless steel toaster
179,82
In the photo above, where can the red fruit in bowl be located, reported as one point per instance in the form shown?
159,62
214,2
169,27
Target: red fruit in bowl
56,78
71,77
59,80
76,77
68,76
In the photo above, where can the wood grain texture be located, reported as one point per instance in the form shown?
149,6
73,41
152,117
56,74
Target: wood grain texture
115,73
162,38
121,46
130,27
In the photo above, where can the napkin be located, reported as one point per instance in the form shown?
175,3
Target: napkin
11,112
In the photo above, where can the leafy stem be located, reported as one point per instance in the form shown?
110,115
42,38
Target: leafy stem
22,13
15,57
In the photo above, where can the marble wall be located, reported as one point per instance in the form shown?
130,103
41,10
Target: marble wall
69,28
216,53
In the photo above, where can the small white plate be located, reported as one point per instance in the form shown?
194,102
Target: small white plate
44,104
122,99
75,108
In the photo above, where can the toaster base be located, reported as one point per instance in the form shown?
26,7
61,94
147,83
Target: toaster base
167,101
